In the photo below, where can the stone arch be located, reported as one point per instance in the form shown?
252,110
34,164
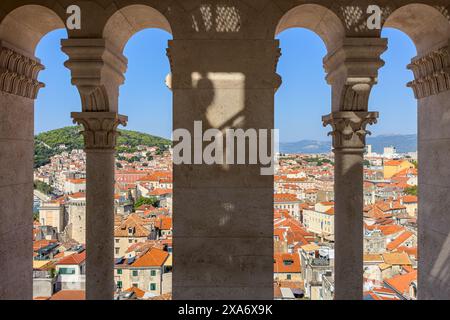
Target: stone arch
427,26
319,19
25,26
129,20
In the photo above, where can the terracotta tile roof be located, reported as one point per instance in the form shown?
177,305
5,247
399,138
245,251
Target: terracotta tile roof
393,163
136,223
286,263
77,181
373,258
407,171
402,282
410,199
384,266
69,295
410,251
381,293
138,292
285,197
390,229
160,192
140,247
77,195
375,212
399,240
165,223
153,258
280,213
145,207
396,258
76,258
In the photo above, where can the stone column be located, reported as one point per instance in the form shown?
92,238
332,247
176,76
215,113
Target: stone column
18,89
432,89
352,70
97,71
349,133
99,142
223,214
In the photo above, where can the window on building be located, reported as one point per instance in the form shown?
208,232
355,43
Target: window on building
135,285
288,277
119,271
117,250
152,286
288,262
67,271
153,273
135,273
119,284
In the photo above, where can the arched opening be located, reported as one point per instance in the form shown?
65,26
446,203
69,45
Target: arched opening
143,229
427,27
411,202
127,21
25,26
304,195
321,20
390,173
21,33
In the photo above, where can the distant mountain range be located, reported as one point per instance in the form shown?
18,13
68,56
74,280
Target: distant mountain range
403,143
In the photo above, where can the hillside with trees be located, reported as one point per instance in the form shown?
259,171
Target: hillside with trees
50,143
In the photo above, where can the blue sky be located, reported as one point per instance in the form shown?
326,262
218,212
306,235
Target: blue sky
299,104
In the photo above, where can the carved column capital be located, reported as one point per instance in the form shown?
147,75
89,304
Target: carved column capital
18,73
349,129
431,73
100,128
352,70
97,70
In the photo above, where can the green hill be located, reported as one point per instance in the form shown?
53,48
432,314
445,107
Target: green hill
48,144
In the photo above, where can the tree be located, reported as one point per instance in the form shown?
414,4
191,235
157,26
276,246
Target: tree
146,201
43,187
412,191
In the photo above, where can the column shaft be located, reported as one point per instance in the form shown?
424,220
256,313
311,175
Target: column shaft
432,89
16,197
348,191
100,139
18,89
351,82
349,132
97,70
100,224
